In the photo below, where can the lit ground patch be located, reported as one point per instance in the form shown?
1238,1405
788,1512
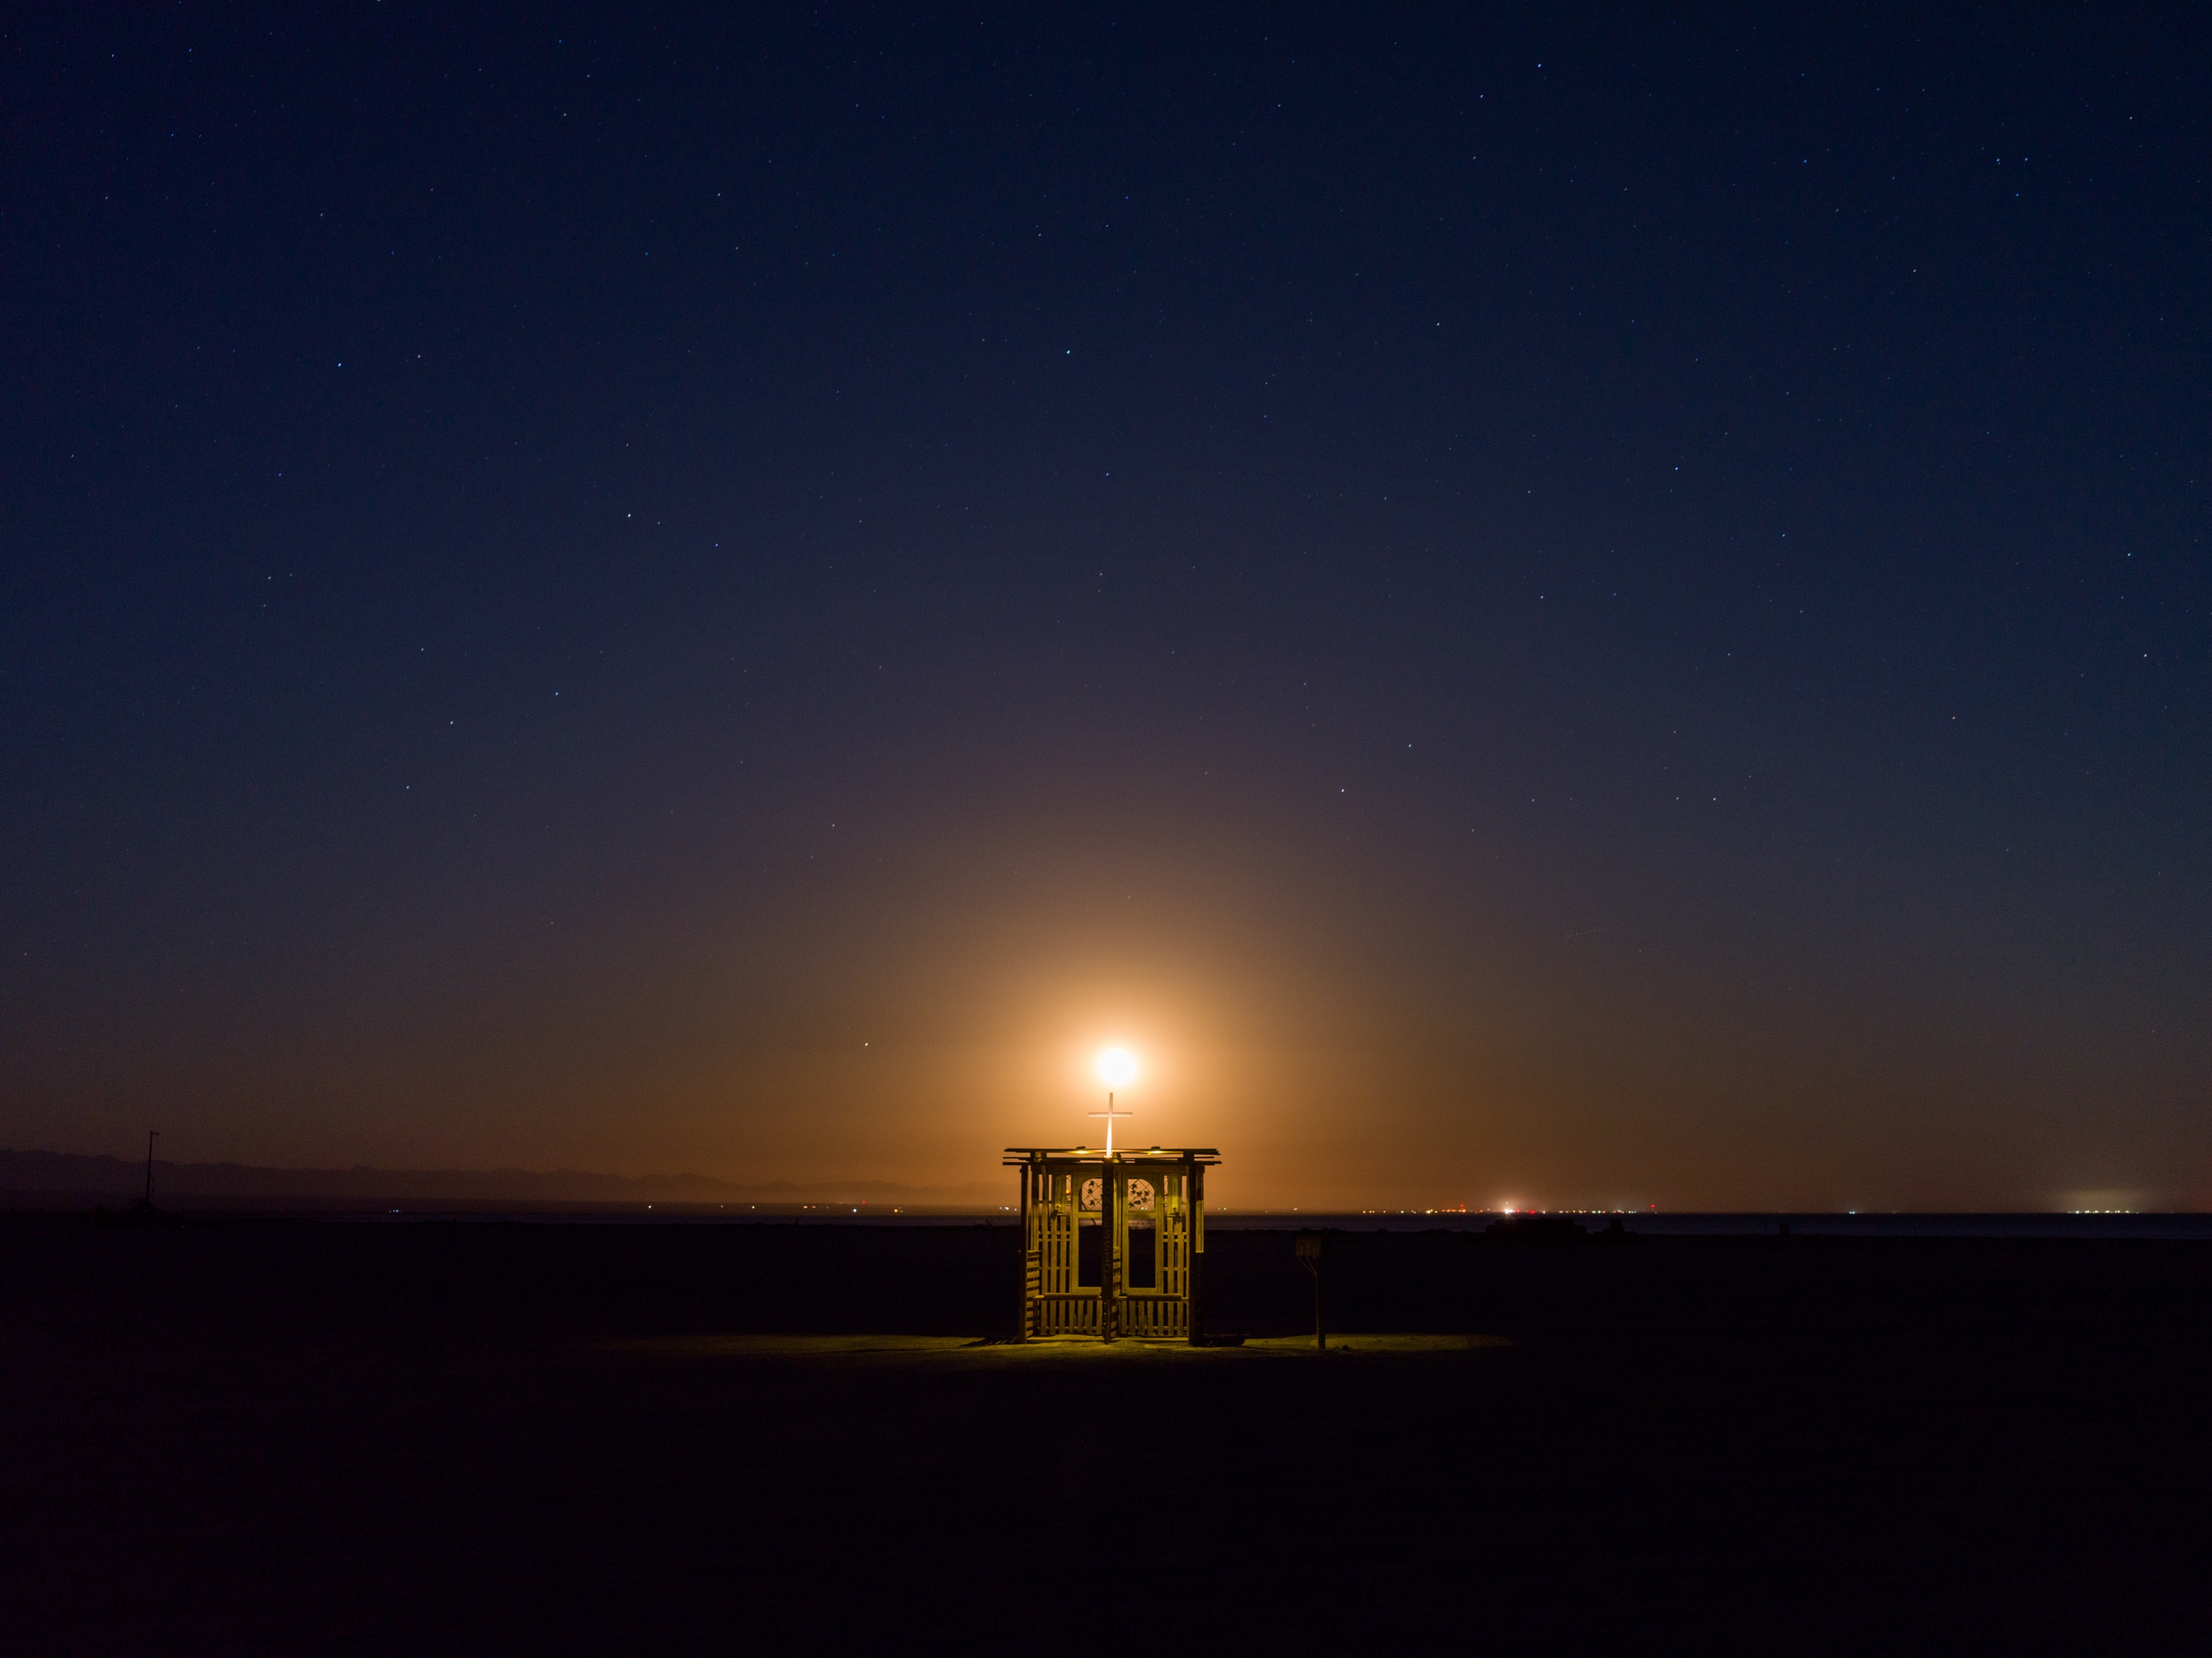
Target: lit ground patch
1376,1344
795,1347
968,1349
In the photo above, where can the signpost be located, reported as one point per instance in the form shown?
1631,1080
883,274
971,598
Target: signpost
1311,1247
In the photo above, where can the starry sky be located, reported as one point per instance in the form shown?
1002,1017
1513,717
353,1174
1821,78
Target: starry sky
1534,605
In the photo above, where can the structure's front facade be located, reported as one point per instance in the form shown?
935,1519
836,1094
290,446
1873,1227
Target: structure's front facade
1113,1242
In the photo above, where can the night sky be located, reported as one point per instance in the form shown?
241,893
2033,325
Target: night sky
1534,607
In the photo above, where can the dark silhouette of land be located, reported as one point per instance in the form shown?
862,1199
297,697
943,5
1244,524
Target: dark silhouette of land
53,1179
233,1436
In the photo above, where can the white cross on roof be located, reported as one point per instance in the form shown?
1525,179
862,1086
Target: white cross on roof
1109,1114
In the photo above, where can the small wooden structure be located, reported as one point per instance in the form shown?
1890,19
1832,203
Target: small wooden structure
1113,1242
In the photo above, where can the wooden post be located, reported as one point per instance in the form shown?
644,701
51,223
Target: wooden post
1109,1248
1193,1187
1029,1254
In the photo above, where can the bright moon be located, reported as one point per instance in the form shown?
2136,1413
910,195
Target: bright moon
1116,1067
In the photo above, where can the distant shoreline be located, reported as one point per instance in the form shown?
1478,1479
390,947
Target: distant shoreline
1802,1225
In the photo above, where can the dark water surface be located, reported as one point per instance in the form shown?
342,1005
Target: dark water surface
1653,1223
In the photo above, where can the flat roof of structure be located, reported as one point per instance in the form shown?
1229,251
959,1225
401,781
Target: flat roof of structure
1121,1154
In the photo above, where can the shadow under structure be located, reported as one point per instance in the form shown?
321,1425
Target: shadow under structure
1113,1242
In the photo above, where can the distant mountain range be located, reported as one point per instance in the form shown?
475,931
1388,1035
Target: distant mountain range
56,1175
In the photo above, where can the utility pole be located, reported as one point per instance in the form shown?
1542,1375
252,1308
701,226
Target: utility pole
148,1202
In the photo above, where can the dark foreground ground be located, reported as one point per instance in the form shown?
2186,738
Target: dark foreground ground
301,1437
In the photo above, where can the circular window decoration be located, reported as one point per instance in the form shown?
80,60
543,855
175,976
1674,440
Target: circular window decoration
1141,1195
1090,1190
